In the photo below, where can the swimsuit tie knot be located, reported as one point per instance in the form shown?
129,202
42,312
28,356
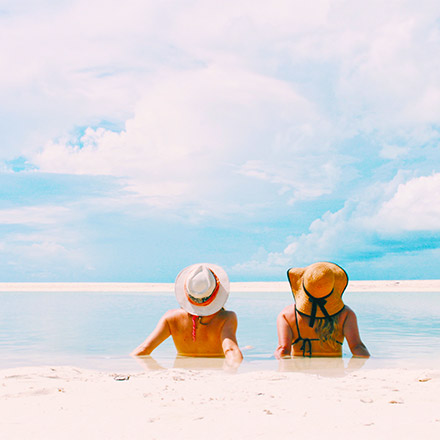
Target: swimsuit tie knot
306,347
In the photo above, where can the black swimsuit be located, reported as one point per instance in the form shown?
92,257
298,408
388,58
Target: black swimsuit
307,342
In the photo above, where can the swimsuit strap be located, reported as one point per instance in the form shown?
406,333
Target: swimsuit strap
307,342
306,346
296,322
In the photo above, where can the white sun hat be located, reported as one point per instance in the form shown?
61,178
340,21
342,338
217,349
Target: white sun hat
202,289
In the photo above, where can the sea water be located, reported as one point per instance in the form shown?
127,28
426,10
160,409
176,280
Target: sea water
99,329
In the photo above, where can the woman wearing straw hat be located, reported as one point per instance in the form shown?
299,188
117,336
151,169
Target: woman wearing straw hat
318,322
201,327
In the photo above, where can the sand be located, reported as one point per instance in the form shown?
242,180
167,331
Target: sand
72,403
299,398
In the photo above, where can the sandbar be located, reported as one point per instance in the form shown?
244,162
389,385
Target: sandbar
255,286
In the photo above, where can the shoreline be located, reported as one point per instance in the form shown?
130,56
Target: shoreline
253,286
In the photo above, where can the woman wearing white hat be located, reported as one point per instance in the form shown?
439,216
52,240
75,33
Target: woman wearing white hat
318,322
201,327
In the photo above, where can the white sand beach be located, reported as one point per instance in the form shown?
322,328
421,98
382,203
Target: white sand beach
296,399
257,286
71,403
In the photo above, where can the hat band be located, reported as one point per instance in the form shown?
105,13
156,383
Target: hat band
317,302
208,299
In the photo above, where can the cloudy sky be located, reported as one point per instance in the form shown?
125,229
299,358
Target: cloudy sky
140,136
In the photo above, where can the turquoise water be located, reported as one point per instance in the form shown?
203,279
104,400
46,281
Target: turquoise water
99,329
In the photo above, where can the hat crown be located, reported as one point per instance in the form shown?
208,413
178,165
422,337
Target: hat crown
317,287
202,288
319,280
200,282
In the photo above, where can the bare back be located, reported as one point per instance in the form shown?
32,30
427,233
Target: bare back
213,335
289,322
318,348
209,332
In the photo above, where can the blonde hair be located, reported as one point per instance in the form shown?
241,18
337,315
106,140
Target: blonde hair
327,329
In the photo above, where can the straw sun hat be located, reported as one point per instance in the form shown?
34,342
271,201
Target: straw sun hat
317,289
202,289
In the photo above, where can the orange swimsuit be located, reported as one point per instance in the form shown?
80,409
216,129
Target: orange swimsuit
306,346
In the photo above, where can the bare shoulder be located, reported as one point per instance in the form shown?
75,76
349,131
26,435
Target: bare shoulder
348,311
174,314
288,312
227,315
347,315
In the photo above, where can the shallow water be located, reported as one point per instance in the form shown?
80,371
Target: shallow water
98,329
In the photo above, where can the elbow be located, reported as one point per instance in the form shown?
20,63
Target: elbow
140,351
360,350
282,351
233,352
233,357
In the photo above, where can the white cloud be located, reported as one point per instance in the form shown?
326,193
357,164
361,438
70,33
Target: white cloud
353,233
414,207
195,134
47,231
46,249
393,151
224,109
304,177
390,82
231,107
33,215
44,243
81,62
56,258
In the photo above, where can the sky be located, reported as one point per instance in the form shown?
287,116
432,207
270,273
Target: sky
139,137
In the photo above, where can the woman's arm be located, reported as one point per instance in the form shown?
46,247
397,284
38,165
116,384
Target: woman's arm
233,355
159,334
351,333
285,337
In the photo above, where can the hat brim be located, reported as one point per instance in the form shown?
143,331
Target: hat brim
334,303
213,307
